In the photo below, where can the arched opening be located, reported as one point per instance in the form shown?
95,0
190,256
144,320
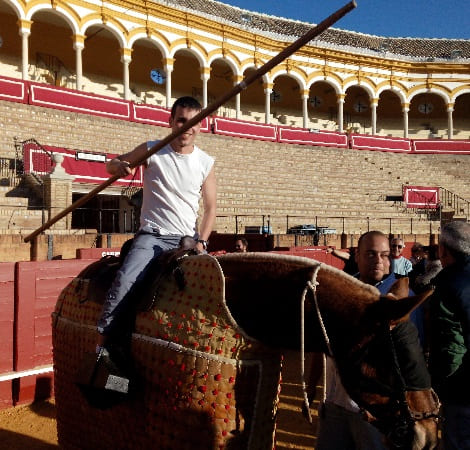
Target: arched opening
186,76
322,105
357,110
11,42
389,114
51,54
461,116
147,74
428,116
286,101
252,99
102,66
219,83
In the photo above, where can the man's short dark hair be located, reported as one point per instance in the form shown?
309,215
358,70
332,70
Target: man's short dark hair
185,102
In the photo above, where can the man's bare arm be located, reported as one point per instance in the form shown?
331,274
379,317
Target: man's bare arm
209,197
121,164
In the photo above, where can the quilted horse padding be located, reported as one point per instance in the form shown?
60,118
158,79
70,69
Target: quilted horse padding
203,381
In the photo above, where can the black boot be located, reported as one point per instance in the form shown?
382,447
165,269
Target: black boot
104,378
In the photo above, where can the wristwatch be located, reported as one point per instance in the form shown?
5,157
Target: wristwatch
204,243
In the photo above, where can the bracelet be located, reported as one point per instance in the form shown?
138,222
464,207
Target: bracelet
204,243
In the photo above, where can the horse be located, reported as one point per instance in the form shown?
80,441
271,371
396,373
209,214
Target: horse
207,354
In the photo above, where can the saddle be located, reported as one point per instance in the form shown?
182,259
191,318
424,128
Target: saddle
100,274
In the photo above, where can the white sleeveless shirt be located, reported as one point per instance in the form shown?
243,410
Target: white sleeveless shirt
172,189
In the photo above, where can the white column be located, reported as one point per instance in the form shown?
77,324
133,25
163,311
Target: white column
25,31
405,110
126,60
237,106
373,107
205,74
267,102
340,101
237,79
78,46
450,121
305,121
168,69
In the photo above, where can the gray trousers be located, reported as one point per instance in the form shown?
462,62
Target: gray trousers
118,307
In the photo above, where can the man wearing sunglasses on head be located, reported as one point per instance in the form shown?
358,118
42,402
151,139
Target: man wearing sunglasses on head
399,264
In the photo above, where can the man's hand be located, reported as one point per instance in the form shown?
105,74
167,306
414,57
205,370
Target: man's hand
200,248
118,167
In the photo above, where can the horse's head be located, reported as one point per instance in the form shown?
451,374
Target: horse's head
384,371
265,292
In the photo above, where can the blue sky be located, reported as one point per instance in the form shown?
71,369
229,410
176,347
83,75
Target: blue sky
390,18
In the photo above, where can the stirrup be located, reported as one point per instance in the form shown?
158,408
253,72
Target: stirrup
102,382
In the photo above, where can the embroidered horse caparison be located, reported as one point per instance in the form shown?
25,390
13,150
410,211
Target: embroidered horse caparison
208,352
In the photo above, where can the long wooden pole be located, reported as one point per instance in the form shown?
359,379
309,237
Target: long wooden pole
292,48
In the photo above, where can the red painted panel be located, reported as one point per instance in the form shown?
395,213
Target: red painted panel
381,143
421,197
291,135
239,128
442,146
83,171
13,90
77,101
7,316
34,387
6,400
156,115
38,285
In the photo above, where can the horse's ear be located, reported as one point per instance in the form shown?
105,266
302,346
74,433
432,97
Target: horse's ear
400,288
389,308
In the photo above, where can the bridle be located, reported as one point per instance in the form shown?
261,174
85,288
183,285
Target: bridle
401,433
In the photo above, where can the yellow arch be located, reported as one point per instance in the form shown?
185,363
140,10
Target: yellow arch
430,88
329,77
153,33
457,92
96,19
218,54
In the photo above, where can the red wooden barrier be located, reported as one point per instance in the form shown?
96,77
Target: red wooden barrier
13,90
77,101
291,135
245,129
7,317
38,285
381,143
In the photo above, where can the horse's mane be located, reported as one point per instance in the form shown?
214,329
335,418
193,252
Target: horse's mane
275,263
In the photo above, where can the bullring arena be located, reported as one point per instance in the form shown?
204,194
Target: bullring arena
351,133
